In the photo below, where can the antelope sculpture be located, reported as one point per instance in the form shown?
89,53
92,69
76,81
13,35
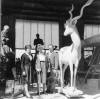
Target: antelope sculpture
71,55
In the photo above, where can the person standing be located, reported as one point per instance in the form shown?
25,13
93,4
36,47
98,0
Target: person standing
52,58
26,62
41,69
37,41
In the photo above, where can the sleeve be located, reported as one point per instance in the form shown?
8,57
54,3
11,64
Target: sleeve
47,62
34,42
42,42
22,62
56,61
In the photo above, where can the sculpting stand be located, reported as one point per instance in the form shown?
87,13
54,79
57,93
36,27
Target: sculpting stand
71,92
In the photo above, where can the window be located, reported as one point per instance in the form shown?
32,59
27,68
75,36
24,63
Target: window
26,32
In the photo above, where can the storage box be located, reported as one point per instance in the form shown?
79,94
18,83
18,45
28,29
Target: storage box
93,84
9,86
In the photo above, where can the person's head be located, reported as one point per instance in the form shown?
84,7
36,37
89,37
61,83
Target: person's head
28,48
51,47
37,35
40,48
6,28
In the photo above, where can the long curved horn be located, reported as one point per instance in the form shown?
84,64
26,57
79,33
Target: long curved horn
89,2
70,12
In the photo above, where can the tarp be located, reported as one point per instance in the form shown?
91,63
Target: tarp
91,41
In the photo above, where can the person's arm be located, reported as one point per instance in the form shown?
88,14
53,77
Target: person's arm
10,50
41,42
56,61
47,63
22,62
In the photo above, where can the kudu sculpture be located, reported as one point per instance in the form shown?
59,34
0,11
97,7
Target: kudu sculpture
71,55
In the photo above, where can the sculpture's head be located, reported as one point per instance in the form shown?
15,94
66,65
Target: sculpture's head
70,24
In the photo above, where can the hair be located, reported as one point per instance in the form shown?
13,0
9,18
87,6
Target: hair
27,47
6,27
37,34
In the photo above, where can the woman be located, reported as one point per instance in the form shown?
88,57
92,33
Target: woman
26,62
41,68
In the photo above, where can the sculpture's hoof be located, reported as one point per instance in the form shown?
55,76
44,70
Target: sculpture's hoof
72,89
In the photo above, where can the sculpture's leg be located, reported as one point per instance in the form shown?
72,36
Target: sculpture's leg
61,76
71,74
63,72
60,65
75,73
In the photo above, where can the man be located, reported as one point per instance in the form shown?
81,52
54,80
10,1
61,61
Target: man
53,58
37,41
53,66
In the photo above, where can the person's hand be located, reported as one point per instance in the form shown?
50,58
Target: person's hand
54,71
24,73
38,70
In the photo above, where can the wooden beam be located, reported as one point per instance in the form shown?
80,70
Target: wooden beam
36,6
31,12
38,17
0,26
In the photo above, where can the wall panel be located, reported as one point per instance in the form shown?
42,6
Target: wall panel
41,30
47,34
27,34
19,34
55,31
26,31
33,32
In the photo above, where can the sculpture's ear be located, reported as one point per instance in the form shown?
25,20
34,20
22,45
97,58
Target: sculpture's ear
74,22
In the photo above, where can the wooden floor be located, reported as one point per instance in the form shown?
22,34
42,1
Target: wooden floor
91,90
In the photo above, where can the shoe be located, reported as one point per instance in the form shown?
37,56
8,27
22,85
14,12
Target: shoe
44,92
29,97
38,93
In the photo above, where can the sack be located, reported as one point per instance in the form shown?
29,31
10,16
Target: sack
9,86
51,84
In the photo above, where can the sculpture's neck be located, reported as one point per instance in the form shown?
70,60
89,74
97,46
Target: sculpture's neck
76,39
